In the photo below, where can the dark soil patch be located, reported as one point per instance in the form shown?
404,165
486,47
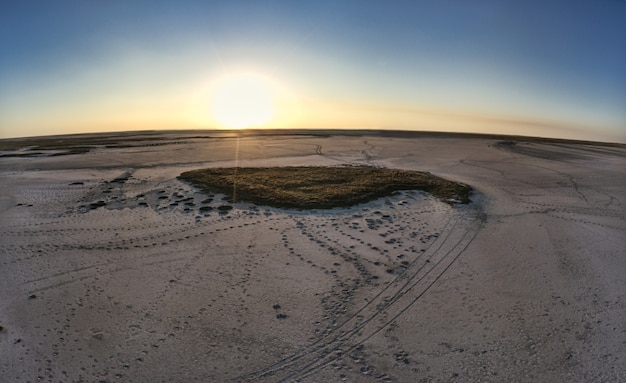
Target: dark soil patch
320,187
97,204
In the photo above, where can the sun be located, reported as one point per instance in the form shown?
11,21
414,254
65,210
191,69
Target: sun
242,100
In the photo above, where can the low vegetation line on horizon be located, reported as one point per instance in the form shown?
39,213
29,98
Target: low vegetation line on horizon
137,137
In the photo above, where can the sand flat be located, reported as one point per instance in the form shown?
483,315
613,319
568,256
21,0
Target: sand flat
114,270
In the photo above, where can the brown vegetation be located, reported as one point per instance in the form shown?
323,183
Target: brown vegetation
320,187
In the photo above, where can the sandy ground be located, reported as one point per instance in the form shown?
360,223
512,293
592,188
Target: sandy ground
111,272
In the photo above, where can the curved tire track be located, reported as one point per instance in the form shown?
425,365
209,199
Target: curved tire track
394,300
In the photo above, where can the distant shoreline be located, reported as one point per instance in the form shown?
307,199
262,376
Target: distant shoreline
97,137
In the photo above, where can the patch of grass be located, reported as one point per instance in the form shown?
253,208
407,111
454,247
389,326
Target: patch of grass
80,150
82,143
320,187
40,154
29,154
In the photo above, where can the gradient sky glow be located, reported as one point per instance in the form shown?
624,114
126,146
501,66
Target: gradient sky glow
542,68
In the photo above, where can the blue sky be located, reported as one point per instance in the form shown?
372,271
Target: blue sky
543,68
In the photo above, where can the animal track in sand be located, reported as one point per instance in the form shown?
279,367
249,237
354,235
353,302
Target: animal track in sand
352,247
348,323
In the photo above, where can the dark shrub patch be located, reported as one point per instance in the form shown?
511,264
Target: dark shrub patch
320,187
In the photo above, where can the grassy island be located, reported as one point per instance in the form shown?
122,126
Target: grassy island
320,187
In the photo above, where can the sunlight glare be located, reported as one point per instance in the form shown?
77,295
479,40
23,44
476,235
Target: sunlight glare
242,101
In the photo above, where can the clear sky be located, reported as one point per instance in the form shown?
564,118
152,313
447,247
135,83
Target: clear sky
551,68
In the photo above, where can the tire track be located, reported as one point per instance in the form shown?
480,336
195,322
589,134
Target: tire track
452,256
404,291
93,270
